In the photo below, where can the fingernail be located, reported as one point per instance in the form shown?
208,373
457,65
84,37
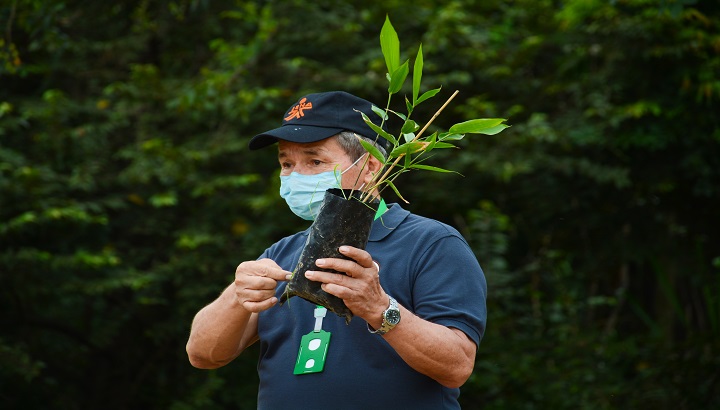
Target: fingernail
288,276
320,262
309,274
344,249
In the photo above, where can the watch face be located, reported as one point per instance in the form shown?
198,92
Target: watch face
392,317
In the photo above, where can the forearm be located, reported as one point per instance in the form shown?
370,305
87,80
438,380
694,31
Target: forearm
441,353
219,332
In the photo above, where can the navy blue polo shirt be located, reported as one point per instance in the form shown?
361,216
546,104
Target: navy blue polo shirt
424,264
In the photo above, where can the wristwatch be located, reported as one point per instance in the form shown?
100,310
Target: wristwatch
391,317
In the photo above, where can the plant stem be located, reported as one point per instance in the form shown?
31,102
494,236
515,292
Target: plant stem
435,115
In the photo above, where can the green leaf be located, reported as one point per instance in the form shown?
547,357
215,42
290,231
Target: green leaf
380,112
443,145
390,45
432,141
409,126
378,129
394,188
431,168
417,74
426,95
397,79
399,115
372,150
476,126
446,136
407,149
494,130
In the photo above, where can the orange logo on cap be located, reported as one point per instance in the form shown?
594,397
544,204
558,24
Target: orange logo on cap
298,110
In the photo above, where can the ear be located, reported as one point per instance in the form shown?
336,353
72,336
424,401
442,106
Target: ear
372,167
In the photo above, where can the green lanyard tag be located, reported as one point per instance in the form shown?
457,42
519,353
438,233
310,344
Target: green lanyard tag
312,354
313,347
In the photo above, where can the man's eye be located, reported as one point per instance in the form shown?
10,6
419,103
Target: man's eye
316,162
285,165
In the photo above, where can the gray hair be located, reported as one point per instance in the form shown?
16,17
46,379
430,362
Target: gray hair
349,142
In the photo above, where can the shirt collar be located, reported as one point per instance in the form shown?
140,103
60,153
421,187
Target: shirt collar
390,220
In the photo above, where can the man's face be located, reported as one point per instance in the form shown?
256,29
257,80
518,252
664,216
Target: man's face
316,157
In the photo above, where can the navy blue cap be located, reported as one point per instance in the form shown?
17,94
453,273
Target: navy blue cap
321,115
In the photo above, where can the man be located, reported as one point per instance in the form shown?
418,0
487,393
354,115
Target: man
417,292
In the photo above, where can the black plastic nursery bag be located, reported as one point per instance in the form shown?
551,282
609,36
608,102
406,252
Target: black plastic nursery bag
342,220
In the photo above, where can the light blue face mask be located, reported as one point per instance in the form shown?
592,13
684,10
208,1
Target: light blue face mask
305,193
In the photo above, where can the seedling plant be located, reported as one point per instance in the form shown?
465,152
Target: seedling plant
409,147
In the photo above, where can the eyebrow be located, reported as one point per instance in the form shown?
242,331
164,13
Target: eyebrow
306,151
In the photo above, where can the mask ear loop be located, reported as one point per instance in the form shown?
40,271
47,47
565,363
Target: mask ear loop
352,165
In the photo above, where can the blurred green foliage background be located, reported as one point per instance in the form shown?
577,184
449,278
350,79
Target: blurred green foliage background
128,195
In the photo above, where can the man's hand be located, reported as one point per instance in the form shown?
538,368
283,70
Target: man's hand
255,283
222,330
360,289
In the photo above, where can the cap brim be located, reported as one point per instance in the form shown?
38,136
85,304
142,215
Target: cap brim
293,133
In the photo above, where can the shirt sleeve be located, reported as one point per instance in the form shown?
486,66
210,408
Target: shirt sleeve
450,287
